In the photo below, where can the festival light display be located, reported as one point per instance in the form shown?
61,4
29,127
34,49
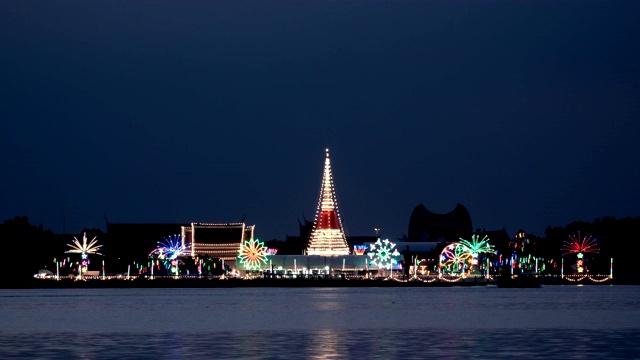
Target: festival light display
383,254
168,251
579,245
522,250
475,247
253,254
453,258
360,249
84,249
327,235
459,256
170,248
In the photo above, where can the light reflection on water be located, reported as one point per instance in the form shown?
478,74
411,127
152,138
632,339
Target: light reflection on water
327,344
591,322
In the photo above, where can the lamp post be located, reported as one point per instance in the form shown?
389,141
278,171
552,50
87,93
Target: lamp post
377,230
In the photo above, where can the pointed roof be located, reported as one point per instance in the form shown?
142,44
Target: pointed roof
327,235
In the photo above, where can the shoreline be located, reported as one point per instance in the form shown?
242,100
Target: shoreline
269,282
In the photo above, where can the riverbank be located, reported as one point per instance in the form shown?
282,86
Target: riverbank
204,282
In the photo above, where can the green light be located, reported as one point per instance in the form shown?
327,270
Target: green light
253,254
580,255
477,246
383,254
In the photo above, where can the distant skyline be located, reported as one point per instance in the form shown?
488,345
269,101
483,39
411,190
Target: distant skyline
527,113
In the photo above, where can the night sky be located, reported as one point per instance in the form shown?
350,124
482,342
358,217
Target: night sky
525,112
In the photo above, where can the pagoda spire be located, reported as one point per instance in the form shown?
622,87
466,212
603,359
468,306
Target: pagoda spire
327,236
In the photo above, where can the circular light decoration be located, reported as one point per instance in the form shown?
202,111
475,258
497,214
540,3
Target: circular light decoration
383,254
453,257
253,253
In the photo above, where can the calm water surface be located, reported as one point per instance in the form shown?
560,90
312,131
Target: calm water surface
569,322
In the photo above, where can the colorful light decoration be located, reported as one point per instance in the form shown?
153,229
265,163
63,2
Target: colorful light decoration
579,245
360,249
477,246
170,248
84,249
453,257
522,249
253,254
383,254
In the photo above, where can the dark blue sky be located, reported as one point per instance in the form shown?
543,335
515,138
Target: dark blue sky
526,112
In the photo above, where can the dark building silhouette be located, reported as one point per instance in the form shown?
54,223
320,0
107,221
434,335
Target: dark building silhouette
427,226
294,244
125,243
499,239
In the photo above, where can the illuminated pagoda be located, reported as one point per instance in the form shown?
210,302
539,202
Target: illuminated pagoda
327,237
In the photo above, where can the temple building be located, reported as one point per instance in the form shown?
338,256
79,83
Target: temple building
327,236
133,241
220,241
321,248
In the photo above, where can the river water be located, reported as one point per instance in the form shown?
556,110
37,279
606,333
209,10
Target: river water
568,322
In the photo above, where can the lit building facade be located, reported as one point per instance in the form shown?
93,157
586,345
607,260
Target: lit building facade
221,241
